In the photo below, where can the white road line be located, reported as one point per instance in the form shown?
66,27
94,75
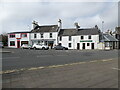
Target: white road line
10,58
116,68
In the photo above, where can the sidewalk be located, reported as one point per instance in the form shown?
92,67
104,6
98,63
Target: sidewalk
101,74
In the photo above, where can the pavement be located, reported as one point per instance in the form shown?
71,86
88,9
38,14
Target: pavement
88,74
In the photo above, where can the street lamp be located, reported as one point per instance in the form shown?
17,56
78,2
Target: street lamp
102,33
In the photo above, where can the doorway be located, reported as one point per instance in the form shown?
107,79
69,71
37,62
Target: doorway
92,45
78,46
18,44
83,46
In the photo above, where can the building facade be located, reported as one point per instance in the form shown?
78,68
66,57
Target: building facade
73,38
80,38
16,39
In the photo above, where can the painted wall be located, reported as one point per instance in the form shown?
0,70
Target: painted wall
18,38
76,39
46,36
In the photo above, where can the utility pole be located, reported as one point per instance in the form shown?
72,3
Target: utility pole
102,31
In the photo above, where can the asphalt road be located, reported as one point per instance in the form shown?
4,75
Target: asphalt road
26,58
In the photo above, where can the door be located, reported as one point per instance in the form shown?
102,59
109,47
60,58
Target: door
83,46
78,46
92,45
18,44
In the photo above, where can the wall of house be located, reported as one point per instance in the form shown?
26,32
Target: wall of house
77,39
46,36
18,38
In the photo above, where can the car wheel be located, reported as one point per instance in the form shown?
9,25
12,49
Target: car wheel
63,48
43,48
34,48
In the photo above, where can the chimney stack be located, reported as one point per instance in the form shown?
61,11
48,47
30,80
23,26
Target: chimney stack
77,25
59,23
34,24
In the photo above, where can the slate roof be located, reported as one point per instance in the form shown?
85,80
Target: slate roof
19,32
107,37
49,28
74,32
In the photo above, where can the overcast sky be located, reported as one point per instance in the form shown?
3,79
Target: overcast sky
18,16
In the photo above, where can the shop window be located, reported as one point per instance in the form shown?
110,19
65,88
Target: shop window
24,35
88,44
12,43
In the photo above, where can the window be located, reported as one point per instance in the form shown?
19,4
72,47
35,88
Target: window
24,35
82,37
88,44
35,35
41,35
89,37
12,43
107,44
12,35
60,44
50,35
60,38
69,44
70,38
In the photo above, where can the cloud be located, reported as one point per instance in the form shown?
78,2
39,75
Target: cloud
16,16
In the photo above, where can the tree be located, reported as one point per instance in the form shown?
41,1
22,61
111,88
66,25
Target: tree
4,38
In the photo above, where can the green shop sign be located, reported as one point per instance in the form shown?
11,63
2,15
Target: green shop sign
86,41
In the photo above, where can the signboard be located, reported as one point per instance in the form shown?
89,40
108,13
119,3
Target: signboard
86,41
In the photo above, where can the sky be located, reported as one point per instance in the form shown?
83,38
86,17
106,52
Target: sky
17,15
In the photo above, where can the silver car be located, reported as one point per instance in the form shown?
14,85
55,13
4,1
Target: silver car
26,46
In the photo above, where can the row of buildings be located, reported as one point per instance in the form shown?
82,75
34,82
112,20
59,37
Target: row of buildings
73,38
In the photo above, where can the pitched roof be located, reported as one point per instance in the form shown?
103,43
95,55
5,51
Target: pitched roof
49,28
20,32
107,37
73,32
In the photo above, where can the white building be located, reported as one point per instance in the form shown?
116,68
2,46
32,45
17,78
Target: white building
16,39
47,34
80,38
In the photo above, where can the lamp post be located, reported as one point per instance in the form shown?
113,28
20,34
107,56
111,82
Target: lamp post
102,31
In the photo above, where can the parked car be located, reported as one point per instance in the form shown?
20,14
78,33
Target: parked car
1,45
40,46
59,47
26,46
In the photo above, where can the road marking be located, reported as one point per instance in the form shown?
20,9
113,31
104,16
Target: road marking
55,66
116,69
10,58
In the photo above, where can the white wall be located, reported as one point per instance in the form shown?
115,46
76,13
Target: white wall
18,35
76,39
46,35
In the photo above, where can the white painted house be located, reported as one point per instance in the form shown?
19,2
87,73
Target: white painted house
16,39
88,38
47,34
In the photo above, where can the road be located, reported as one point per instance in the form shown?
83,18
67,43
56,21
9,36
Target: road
97,74
26,58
